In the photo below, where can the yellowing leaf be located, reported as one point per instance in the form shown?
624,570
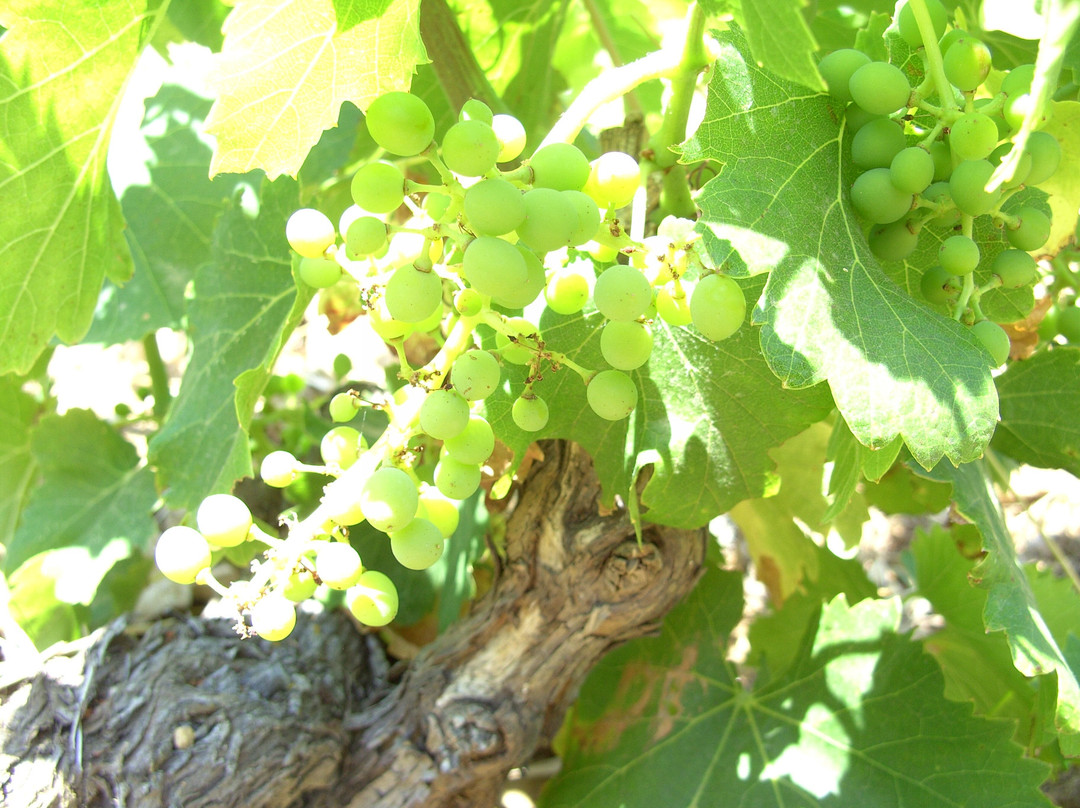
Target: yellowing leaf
284,72
1064,186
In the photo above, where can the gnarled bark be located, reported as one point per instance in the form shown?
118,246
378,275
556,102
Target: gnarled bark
316,721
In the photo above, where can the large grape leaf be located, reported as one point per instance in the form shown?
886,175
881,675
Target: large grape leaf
858,719
779,38
62,70
1064,186
245,304
284,71
780,205
17,466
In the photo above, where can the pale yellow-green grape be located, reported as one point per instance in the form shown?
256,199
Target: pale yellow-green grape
530,413
389,499
373,600
561,166
517,353
223,520
278,469
310,232
401,123
567,290
611,394
622,293
341,446
341,503
299,587
673,309
456,480
444,414
474,444
613,179
475,374
511,136
717,306
337,564
273,617
441,510
418,545
181,554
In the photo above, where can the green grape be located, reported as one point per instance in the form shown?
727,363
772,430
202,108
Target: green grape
1068,323
340,447
876,198
909,27
337,564
413,294
973,136
389,499
278,469
611,394
444,414
319,273
567,290
475,374
855,117
310,232
717,306
511,136
341,503
1031,231
431,323
950,38
877,143
626,345
494,207
443,512
299,587
551,220
622,293
1023,169
880,88
439,207
455,479
1018,80
530,413
401,123
474,444
614,177
837,67
893,242
223,520
1048,326
1020,107
383,323
588,217
560,166
343,407
1015,268
418,545
1045,154
366,235
938,285
959,255
912,170
470,148
525,294
181,554
515,353
378,187
994,339
674,309
942,156
493,266
373,600
475,110
967,186
273,618
967,63
1003,129
468,302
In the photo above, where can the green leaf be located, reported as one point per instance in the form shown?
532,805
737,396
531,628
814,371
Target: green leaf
285,70
1064,186
62,227
33,604
779,38
1039,401
829,313
245,304
200,21
859,719
351,13
1059,603
17,465
837,22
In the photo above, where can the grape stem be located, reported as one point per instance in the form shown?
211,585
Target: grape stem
159,376
933,56
498,322
966,224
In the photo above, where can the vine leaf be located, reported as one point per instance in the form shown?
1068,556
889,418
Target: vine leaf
285,69
779,37
18,410
779,205
1064,186
351,13
858,718
62,227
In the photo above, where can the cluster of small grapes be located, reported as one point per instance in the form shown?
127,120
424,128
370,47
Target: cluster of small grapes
929,165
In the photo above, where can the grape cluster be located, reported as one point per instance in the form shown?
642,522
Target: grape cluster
928,153
459,259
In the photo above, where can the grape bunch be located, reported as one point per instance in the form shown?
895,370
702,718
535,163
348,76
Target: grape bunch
958,148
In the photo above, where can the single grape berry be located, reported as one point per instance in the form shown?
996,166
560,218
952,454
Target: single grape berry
474,444
378,187
561,166
373,600
494,207
1031,230
455,479
493,266
181,554
365,235
967,63
413,294
470,148
337,564
611,394
510,135
626,345
401,123
622,293
521,296
880,88
877,143
343,407
908,26
912,170
273,618
223,520
319,273
475,110
877,199
551,220
958,255
475,374
973,136
418,545
310,232
444,414
340,447
893,242
938,285
567,290
588,217
717,306
389,499
299,587
613,179
520,351
1020,171
530,413
673,308
468,302
967,187
1045,154
278,469
441,510
837,68
1015,268
994,339
1068,323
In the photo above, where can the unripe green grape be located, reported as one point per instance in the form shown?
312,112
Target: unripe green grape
1048,325
511,136
309,232
994,339
365,236
1022,170
959,255
1015,268
493,266
1018,80
389,499
181,554
973,136
341,503
837,68
550,220
588,217
470,148
1068,323
1045,154
560,166
401,123
373,600
942,156
455,479
877,143
444,414
413,294
418,545
273,618
378,187
1031,231
475,374
673,309
1003,128
494,207
440,510
384,324
893,242
530,413
223,520
515,353
967,185
967,63
938,285
319,273
337,564
468,302
876,198
908,26
855,117
567,290
475,110
626,345
611,394
614,177
880,88
950,38
431,323
299,587
1020,107
474,444
622,293
526,293
340,447
912,170
278,469
717,306
343,407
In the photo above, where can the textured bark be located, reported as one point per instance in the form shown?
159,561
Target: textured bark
319,721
